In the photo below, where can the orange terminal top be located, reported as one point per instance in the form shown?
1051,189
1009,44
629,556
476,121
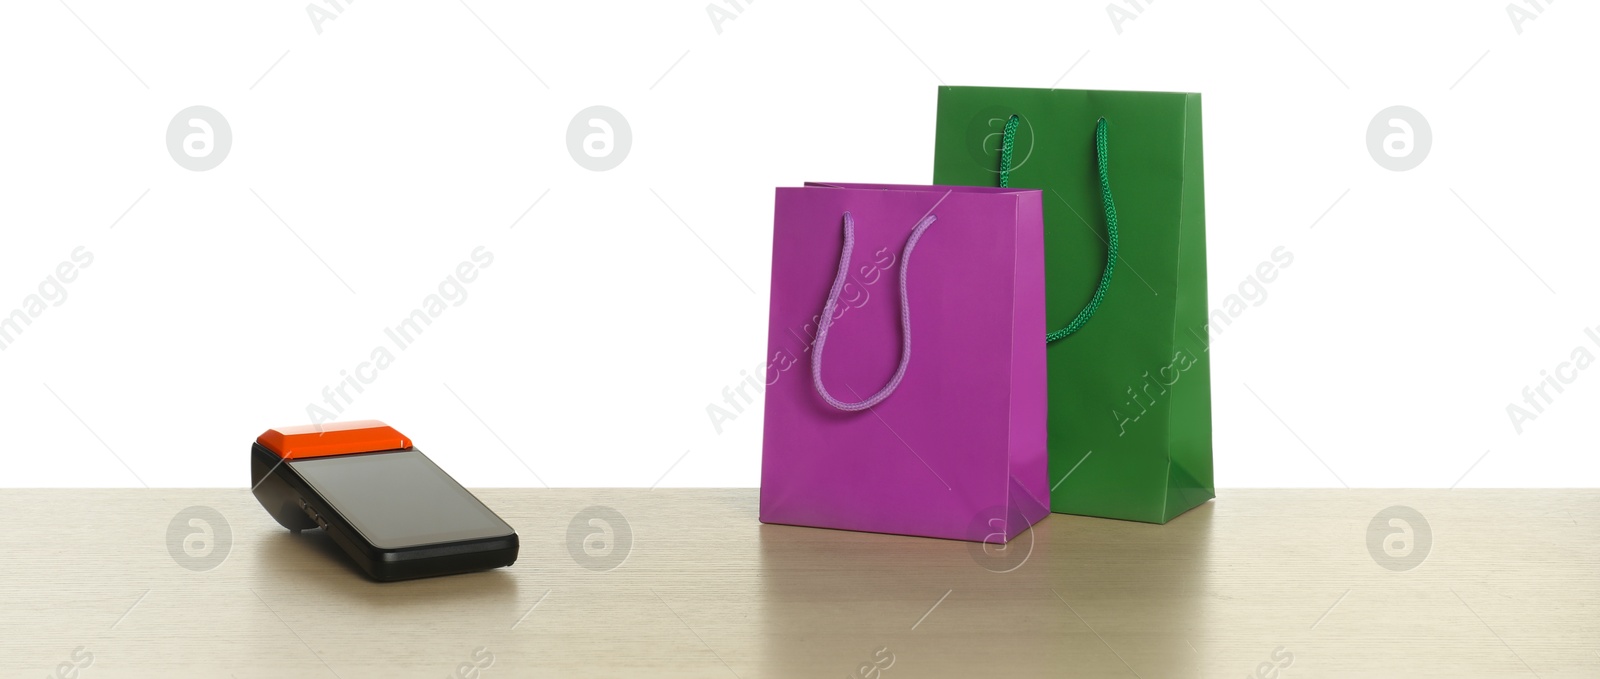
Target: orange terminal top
336,438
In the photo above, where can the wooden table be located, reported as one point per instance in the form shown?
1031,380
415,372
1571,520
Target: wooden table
98,583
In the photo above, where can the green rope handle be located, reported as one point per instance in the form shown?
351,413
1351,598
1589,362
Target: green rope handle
1008,140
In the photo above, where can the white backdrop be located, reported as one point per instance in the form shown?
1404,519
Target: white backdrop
375,147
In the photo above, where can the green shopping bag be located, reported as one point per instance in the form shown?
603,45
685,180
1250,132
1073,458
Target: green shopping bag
1125,282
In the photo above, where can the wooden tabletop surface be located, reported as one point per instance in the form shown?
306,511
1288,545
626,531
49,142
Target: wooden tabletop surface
686,583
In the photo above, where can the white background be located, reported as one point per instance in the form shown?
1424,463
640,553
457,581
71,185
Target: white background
406,134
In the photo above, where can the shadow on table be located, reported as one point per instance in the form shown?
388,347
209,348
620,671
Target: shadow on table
836,602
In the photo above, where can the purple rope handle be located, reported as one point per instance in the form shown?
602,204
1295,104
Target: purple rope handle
833,302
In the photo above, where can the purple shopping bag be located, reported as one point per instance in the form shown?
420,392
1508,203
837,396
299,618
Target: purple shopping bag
907,388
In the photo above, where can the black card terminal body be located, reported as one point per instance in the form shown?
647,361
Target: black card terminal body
380,499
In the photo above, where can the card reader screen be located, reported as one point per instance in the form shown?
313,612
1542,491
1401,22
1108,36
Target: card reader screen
399,499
